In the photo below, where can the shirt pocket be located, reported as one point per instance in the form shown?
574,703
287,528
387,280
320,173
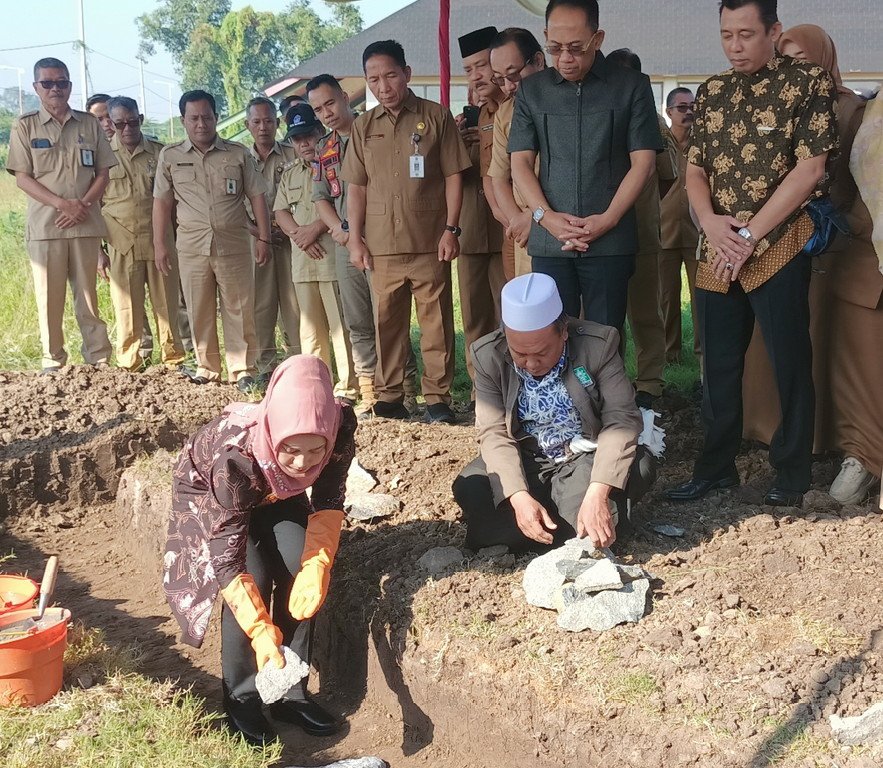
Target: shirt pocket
375,208
183,174
424,203
231,179
45,160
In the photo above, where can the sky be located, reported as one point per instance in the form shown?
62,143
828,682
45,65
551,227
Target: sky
113,38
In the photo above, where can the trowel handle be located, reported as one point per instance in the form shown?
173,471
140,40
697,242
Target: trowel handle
47,586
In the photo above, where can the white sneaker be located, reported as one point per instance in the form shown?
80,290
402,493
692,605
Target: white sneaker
853,484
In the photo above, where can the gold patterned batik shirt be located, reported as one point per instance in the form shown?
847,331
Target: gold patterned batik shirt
750,133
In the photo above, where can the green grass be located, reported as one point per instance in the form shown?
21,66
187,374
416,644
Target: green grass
19,330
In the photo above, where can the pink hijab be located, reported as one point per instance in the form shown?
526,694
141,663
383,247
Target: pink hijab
299,401
818,48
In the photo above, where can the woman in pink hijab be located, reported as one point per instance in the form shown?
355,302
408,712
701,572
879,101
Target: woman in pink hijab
243,525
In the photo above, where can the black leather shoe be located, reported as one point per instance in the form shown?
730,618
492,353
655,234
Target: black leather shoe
246,718
390,411
779,497
696,489
246,384
306,714
440,413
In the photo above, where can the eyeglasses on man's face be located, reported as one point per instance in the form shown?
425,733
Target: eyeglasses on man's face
574,49
684,108
48,85
512,77
121,125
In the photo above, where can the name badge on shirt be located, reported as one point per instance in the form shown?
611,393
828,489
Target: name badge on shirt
87,157
231,186
416,166
583,375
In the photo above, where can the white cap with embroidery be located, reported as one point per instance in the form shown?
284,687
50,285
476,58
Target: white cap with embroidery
530,302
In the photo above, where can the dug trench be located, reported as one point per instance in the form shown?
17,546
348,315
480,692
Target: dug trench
764,622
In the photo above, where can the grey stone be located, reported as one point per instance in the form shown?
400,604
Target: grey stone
437,559
866,728
669,530
273,683
542,579
633,572
566,596
496,551
366,506
360,762
584,546
573,569
358,479
603,575
605,610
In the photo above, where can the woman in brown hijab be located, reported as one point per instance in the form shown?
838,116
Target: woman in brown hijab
846,314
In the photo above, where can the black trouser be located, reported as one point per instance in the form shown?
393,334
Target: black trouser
596,285
726,322
560,488
273,554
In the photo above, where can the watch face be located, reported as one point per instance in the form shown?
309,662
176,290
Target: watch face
538,215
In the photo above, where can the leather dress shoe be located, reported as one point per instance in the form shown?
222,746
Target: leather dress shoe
696,489
307,714
779,497
246,718
246,384
390,411
440,413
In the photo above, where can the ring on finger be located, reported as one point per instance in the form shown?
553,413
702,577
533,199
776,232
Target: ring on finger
729,265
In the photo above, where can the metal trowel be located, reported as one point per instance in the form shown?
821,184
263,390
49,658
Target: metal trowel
27,626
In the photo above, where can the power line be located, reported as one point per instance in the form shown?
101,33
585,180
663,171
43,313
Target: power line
43,45
127,64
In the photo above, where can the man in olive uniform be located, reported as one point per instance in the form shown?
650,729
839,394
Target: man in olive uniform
404,165
273,290
127,209
209,178
480,266
96,105
60,159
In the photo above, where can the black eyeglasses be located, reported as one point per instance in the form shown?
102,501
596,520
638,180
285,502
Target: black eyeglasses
684,108
122,124
512,77
50,84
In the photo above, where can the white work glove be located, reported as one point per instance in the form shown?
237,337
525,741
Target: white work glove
652,436
580,444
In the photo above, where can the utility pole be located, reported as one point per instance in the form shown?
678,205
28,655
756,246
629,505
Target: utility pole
169,85
143,103
85,85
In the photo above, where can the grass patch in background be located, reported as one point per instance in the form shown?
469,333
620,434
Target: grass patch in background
20,337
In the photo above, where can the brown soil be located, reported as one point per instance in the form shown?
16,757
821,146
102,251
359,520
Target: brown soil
764,621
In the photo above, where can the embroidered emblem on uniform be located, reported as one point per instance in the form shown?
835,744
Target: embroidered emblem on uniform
583,375
317,170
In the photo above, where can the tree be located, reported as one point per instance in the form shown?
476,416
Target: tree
233,54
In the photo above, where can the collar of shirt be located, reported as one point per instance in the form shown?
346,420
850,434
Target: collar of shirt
218,143
45,117
772,65
555,373
411,103
117,146
276,149
600,69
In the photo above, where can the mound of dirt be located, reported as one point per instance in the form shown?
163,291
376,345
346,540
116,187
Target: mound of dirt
65,439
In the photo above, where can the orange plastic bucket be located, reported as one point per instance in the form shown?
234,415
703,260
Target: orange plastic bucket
17,593
31,668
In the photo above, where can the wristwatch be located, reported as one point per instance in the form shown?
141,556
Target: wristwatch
538,214
455,231
345,225
745,234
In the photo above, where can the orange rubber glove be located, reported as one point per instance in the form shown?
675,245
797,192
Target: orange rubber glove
248,609
320,546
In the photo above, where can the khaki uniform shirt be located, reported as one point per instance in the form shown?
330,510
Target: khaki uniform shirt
647,205
210,190
404,215
295,194
63,158
678,229
486,134
501,160
750,133
482,233
127,206
281,157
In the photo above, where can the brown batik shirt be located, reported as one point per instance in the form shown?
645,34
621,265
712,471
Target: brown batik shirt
750,133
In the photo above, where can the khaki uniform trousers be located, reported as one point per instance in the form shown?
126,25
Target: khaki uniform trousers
357,306
508,258
128,278
645,321
275,302
523,263
203,280
670,260
395,280
481,278
54,264
321,322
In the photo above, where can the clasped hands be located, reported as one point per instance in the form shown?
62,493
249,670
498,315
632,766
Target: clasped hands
71,213
731,249
574,232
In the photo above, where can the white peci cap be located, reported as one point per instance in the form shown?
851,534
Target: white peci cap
530,302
